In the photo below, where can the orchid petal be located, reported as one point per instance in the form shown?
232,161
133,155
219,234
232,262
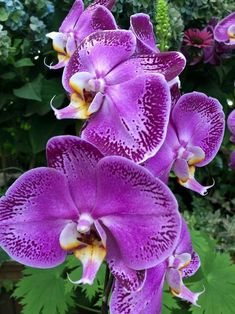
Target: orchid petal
192,267
143,219
184,243
160,165
193,184
91,257
173,279
58,41
187,295
175,94
72,17
147,300
32,216
199,121
231,124
181,169
77,160
142,27
221,31
107,3
133,119
97,19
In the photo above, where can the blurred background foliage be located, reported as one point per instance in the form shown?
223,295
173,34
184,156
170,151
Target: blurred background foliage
27,122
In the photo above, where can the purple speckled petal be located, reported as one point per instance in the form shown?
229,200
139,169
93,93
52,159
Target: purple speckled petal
99,53
232,160
131,280
221,31
32,215
136,208
100,18
142,27
231,124
72,17
133,120
200,121
107,3
193,267
146,301
77,160
160,165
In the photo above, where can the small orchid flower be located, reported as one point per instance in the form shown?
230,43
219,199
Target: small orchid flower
231,126
126,100
77,25
225,30
183,263
194,136
91,206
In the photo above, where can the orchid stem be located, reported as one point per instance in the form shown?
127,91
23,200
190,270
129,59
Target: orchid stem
107,289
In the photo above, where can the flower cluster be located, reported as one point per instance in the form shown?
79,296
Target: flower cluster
104,195
214,42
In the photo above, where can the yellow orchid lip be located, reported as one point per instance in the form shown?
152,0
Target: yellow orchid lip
231,35
195,160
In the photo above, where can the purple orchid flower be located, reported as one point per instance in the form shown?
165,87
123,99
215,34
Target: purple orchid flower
92,206
142,28
225,30
193,139
77,25
126,100
183,263
231,126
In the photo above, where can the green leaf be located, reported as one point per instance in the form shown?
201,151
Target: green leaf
42,291
169,303
31,90
3,256
216,275
24,62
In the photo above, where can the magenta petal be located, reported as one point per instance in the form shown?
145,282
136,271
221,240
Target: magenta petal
137,209
107,3
181,169
32,215
173,279
199,121
184,243
72,17
161,163
221,29
146,301
231,123
133,120
170,64
131,280
193,267
77,160
100,18
142,27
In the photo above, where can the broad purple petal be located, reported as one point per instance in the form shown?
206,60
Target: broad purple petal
99,53
137,209
199,121
184,243
160,165
131,280
221,29
147,300
32,215
98,19
72,17
77,160
133,120
142,27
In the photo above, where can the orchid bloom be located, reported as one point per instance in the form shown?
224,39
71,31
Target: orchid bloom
126,100
77,25
92,206
225,30
231,126
183,263
194,136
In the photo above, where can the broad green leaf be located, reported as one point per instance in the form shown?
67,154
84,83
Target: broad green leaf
31,90
24,62
42,291
169,302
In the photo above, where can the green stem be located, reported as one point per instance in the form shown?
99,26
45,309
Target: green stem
107,289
